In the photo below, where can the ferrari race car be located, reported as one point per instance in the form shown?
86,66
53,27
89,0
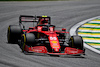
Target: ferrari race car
42,37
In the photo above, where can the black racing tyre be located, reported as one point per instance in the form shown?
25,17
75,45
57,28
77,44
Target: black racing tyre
76,42
29,39
13,33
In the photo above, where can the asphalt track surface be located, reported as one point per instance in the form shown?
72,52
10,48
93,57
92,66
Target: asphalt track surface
65,13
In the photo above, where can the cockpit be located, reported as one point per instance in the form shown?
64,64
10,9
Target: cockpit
43,20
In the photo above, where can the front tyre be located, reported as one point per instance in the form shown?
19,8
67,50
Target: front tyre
29,39
13,33
76,42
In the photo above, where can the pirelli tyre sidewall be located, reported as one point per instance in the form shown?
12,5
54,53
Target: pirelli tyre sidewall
23,42
76,42
14,33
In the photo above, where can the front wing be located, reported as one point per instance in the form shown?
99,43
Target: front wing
43,49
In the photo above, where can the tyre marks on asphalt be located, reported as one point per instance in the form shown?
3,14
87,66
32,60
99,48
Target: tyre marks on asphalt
90,32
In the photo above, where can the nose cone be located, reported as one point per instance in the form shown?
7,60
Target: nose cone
56,50
54,43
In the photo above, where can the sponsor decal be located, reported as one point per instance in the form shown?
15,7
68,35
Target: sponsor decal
36,50
53,38
54,41
55,46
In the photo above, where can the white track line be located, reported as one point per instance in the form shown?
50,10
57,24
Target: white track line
73,32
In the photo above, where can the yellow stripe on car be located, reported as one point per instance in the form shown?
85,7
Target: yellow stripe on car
54,41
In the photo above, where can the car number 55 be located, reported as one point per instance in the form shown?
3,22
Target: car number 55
53,38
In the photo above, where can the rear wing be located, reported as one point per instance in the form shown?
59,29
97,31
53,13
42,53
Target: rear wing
26,18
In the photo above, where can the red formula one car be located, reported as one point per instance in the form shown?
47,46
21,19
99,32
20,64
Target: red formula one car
42,37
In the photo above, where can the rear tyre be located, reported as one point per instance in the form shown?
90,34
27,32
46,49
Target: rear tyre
76,42
14,33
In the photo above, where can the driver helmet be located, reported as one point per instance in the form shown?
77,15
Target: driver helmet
43,21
